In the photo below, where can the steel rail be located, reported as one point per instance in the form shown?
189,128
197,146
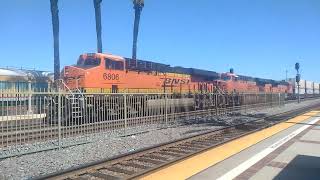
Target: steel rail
137,163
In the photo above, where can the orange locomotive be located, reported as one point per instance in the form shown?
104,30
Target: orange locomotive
98,72
230,82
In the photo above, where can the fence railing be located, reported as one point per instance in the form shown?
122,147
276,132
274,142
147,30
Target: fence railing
34,121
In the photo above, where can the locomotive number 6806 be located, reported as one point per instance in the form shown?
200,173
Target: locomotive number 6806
111,76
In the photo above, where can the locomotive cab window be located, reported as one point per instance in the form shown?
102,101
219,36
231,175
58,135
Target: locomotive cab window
226,78
115,65
88,62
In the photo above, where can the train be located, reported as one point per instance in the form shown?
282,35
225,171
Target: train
97,82
305,88
16,86
97,72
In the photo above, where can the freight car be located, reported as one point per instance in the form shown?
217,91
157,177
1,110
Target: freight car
306,88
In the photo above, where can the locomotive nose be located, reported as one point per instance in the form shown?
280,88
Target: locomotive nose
73,77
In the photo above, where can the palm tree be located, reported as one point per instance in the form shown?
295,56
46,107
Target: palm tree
137,5
97,8
55,27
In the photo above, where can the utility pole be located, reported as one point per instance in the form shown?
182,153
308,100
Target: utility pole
297,67
286,75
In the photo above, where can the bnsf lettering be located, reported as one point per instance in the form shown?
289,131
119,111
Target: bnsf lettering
168,81
111,76
173,81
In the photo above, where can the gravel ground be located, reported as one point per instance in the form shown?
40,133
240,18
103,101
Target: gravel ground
111,144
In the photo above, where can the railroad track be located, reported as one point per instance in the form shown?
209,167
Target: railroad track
137,163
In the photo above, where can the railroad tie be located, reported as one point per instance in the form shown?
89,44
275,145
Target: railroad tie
135,165
103,176
156,157
170,154
120,170
152,161
178,151
195,145
79,178
189,147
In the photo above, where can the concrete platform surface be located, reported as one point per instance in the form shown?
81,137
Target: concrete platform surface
293,153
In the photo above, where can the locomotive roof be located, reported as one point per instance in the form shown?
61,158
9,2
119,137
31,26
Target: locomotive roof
105,55
143,65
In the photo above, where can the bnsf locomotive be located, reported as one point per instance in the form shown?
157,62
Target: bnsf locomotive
96,72
190,89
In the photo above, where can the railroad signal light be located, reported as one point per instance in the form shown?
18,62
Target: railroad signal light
297,66
298,78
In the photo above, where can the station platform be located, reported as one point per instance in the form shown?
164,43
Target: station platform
289,150
22,117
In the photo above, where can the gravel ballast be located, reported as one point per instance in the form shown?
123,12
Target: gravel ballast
111,144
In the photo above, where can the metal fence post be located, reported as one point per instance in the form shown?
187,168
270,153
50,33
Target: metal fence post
166,108
125,112
279,99
216,103
29,98
266,101
245,103
233,103
59,118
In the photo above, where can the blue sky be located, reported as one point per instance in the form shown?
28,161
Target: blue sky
260,38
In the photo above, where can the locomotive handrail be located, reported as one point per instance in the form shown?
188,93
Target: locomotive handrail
65,85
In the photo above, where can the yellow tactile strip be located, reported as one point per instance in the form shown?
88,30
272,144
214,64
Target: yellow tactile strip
195,164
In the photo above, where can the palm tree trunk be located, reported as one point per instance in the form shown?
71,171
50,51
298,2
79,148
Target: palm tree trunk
97,8
138,5
55,26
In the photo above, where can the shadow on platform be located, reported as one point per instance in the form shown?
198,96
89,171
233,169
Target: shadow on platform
301,167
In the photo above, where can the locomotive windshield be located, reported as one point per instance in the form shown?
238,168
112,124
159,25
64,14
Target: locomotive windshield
226,78
88,62
115,65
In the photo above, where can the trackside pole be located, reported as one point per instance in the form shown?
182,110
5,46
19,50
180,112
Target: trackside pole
59,118
245,103
29,98
299,100
125,113
166,109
